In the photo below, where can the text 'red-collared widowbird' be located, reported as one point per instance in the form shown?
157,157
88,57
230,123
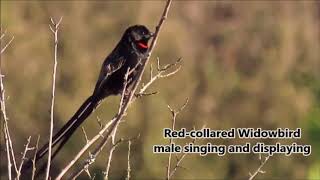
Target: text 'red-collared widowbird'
131,49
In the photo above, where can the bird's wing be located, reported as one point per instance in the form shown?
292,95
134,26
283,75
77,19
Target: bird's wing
110,65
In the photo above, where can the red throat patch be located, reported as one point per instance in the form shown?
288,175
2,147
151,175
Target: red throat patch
142,45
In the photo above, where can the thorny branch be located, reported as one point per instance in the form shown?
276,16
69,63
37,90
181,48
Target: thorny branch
54,29
111,126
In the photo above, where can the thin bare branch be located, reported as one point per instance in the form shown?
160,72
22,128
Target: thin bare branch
170,74
145,94
182,157
259,170
170,142
34,159
129,167
8,141
114,146
6,136
85,148
54,30
179,161
99,123
174,114
24,156
5,46
3,33
85,135
168,66
162,73
88,173
11,150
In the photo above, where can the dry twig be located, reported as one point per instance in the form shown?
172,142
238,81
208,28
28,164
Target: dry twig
34,159
85,135
259,170
129,167
174,114
179,161
5,47
161,73
54,28
24,156
8,141
114,146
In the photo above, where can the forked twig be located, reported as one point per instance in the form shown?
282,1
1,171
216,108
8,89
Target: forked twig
54,28
174,114
259,170
114,146
161,73
24,156
179,161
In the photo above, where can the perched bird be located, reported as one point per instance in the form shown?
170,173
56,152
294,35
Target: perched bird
131,49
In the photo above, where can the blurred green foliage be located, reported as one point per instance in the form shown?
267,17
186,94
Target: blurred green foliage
245,64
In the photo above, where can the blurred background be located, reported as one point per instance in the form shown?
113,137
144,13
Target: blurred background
245,64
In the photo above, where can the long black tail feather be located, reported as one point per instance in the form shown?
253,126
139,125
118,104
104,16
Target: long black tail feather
63,135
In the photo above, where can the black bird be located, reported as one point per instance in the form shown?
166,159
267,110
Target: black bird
131,49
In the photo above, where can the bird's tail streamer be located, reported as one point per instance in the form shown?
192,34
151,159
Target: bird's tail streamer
63,135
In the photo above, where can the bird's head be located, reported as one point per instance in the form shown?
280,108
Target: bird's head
139,36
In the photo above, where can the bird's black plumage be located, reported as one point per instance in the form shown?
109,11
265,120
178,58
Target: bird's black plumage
128,53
